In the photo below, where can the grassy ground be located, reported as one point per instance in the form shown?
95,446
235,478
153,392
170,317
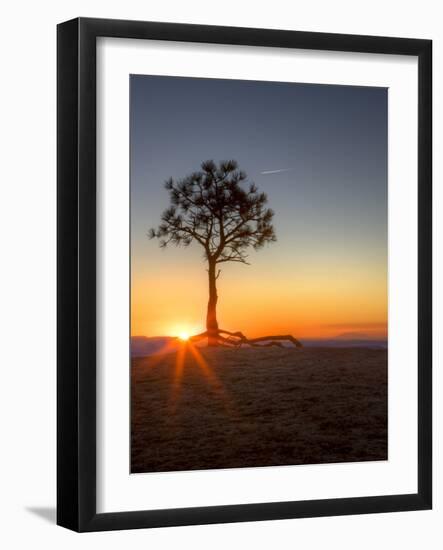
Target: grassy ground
258,407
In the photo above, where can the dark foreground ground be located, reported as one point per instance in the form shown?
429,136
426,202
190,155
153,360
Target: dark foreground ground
258,407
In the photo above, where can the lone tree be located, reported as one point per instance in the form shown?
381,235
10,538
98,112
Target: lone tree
218,209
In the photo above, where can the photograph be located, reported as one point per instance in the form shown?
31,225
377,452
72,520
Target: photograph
259,273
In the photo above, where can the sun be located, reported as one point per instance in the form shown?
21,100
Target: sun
183,331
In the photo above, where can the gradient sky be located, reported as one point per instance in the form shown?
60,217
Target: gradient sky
320,154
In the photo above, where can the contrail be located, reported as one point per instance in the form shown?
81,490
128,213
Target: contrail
267,172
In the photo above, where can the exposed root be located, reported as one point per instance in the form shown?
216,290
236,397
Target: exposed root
237,339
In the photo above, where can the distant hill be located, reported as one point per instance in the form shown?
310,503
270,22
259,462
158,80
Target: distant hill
142,346
343,342
354,336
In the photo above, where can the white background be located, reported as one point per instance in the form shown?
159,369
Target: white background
27,218
116,489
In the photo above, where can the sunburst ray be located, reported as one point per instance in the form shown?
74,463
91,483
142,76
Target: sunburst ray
178,375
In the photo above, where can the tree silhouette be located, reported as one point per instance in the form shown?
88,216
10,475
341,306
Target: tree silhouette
217,208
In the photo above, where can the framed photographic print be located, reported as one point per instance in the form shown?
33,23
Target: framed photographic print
244,274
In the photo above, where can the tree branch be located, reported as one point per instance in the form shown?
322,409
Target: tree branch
272,340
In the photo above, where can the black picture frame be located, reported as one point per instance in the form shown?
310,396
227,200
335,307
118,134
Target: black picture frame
76,265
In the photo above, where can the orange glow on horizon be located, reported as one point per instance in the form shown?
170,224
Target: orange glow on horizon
261,300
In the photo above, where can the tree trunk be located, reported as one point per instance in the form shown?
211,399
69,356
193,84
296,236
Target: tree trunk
211,317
